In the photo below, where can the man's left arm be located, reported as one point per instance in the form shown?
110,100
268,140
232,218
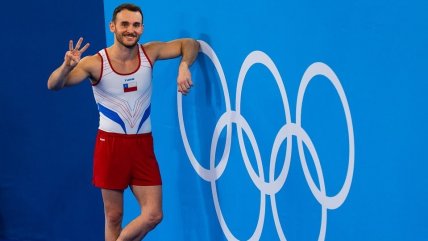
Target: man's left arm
186,47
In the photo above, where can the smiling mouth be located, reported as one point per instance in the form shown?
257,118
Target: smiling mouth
130,36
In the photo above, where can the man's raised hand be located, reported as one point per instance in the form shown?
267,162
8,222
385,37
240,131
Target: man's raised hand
73,55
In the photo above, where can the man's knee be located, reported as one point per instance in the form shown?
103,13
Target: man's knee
146,222
114,217
154,218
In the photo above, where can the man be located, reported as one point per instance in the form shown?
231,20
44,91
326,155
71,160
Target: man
121,78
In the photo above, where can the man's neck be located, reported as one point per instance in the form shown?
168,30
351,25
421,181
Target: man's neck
123,53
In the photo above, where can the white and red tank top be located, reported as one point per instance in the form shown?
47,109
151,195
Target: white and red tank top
123,99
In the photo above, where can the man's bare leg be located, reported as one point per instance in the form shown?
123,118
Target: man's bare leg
150,201
113,211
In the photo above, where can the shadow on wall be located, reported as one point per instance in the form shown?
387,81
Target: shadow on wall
202,107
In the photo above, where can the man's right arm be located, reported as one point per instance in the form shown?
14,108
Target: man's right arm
65,76
73,70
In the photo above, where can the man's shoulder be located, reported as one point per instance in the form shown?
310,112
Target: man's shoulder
92,59
151,49
150,44
92,64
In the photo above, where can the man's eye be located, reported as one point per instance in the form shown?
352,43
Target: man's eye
137,25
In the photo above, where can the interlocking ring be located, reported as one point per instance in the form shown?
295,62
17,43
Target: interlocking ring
287,131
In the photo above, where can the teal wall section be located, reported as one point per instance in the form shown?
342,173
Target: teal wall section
375,48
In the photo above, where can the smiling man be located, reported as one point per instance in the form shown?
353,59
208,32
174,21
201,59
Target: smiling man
121,77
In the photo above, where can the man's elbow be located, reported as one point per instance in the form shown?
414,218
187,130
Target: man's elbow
52,86
190,42
196,44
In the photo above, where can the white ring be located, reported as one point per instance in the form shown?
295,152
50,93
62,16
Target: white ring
272,187
312,71
207,174
233,117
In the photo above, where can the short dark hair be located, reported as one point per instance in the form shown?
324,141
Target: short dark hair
128,6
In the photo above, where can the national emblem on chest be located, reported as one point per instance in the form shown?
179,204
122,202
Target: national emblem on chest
130,85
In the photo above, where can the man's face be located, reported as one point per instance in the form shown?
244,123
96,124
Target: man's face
127,28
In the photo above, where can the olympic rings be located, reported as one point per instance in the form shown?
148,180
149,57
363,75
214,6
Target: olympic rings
287,131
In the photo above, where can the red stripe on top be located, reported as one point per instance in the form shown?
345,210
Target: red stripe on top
101,72
147,57
111,66
130,89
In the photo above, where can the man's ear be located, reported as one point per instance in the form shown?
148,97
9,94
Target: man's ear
112,27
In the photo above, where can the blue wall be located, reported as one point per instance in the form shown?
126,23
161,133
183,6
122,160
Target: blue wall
47,137
377,49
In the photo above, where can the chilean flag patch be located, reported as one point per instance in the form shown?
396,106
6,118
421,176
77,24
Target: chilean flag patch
129,87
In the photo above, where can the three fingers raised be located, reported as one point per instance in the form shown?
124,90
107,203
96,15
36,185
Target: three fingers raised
77,47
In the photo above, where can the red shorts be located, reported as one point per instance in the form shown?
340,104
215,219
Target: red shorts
121,160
